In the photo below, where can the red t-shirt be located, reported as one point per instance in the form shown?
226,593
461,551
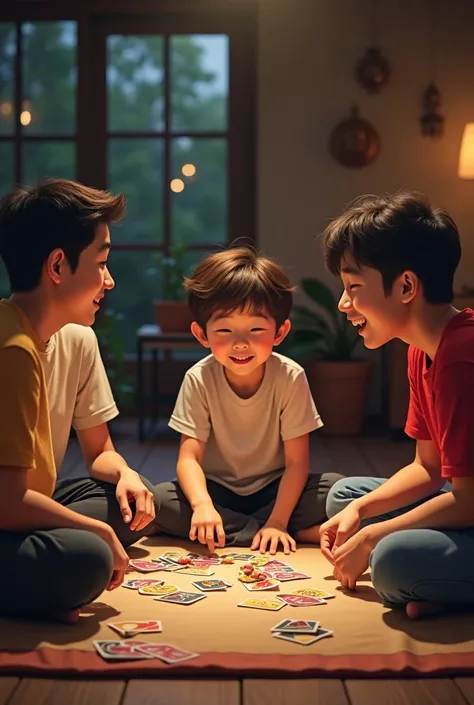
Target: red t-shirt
441,405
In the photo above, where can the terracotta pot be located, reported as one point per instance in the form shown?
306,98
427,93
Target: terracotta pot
173,316
340,391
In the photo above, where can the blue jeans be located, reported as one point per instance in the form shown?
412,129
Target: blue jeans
415,564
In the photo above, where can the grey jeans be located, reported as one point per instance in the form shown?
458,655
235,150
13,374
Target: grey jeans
57,570
416,564
244,515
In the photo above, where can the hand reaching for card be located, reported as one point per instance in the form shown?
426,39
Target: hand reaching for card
204,522
334,532
270,536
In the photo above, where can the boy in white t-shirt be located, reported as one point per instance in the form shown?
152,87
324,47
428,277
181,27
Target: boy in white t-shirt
245,414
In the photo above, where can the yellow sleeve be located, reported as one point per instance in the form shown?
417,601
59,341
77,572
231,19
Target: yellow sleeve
20,384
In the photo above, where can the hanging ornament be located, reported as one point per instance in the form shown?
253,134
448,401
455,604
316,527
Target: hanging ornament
354,142
373,70
432,121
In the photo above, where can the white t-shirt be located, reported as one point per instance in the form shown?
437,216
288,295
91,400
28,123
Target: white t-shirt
244,437
79,392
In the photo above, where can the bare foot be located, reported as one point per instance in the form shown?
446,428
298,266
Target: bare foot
71,617
418,609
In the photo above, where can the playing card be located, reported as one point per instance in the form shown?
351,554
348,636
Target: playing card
119,650
203,563
209,585
181,597
143,566
283,576
164,589
297,626
171,557
191,570
137,583
267,584
167,652
304,639
300,600
161,565
271,564
259,561
130,628
243,556
261,604
314,592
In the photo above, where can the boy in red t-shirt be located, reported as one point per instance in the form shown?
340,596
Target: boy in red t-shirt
397,257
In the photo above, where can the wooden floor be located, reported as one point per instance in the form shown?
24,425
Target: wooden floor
369,455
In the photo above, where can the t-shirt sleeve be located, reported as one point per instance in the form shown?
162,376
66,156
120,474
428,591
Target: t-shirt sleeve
20,385
415,426
95,403
454,391
190,416
298,414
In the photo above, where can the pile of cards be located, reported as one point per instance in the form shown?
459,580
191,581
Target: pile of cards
305,597
136,649
300,631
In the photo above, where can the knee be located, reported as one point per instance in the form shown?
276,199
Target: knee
390,566
339,494
84,570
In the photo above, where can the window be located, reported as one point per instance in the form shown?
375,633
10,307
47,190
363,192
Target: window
37,104
158,106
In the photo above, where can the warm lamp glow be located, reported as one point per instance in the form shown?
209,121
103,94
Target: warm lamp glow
188,169
466,156
177,185
25,117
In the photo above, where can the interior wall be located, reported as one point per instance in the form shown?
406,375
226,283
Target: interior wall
307,53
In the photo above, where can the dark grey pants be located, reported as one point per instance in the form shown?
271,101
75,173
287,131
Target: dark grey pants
56,570
243,516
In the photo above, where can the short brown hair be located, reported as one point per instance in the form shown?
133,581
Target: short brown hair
52,214
396,233
239,279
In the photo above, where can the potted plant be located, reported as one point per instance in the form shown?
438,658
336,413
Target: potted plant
171,311
326,342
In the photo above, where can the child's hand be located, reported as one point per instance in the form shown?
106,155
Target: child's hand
204,522
273,534
335,532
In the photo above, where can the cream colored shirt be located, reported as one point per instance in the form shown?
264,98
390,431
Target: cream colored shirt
244,437
79,392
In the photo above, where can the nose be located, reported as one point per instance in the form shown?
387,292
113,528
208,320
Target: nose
109,283
240,344
345,303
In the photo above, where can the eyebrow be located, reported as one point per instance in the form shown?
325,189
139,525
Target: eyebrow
105,247
224,317
350,270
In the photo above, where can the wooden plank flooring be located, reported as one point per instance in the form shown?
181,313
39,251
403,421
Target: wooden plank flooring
372,455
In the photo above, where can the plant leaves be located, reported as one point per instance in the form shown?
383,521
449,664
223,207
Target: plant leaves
322,295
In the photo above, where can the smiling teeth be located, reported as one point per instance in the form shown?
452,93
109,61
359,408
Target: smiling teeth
247,357
358,321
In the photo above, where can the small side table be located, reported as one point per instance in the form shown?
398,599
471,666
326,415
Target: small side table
151,339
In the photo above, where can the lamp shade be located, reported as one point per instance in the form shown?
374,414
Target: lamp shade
466,155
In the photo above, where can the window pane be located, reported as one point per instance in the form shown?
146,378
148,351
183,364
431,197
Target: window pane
7,77
4,283
6,167
135,83
48,159
136,169
138,283
199,210
49,78
134,292
199,82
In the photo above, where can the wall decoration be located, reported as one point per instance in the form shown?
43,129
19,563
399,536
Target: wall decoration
432,121
354,142
373,70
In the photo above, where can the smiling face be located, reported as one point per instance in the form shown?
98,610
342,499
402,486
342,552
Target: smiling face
379,317
79,293
241,341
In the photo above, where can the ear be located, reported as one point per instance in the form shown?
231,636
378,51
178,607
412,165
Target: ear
55,265
409,287
282,332
199,334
